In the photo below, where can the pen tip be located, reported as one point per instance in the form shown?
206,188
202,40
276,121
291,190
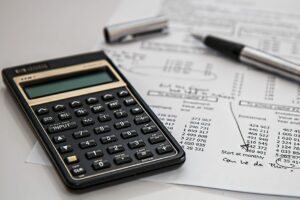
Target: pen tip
198,36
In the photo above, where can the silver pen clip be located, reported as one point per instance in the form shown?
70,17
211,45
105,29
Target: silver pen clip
133,30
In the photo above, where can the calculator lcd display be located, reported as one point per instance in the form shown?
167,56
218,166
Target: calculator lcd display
64,84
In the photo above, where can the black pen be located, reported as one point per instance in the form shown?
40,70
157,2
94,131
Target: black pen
252,56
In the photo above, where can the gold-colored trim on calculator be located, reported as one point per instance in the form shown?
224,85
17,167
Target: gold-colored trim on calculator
19,80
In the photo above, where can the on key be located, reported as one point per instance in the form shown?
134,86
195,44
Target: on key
78,171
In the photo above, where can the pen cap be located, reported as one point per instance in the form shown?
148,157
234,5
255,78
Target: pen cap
131,30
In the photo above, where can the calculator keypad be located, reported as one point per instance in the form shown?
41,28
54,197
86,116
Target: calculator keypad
102,131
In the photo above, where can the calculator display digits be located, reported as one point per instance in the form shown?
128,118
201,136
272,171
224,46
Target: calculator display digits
93,124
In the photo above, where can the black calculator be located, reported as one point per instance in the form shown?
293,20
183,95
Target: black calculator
93,124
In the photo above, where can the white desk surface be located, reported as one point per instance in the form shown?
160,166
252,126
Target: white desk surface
36,30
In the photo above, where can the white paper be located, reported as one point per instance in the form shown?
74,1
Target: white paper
239,126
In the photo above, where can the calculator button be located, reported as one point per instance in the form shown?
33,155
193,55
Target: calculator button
81,134
61,127
75,104
108,139
98,165
156,139
78,171
97,109
71,159
136,144
164,149
129,134
114,105
64,116
48,120
87,144
91,100
122,159
59,139
123,93
107,97
87,121
149,129
137,110
122,124
41,111
104,117
143,154
65,149
141,119
120,114
59,107
115,149
129,101
102,129
94,154
81,112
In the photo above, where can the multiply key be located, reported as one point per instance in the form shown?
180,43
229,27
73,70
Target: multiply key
164,149
149,129
62,127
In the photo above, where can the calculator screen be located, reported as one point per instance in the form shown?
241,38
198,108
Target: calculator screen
71,82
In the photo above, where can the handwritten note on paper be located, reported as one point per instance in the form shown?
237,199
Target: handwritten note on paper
239,127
